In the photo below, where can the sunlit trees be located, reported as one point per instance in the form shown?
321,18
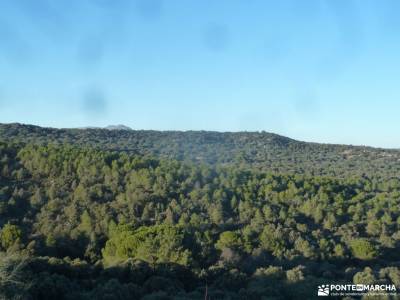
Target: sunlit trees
363,249
10,235
157,244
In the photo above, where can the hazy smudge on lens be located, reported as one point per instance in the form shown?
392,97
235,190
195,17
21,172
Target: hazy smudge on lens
149,9
90,51
216,37
94,103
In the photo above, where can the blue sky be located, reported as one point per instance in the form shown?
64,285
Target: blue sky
324,71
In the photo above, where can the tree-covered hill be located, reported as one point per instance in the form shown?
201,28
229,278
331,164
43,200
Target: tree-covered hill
78,222
262,150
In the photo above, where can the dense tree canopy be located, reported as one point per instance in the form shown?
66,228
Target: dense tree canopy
81,222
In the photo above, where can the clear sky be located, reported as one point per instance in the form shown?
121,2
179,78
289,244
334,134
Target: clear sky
325,71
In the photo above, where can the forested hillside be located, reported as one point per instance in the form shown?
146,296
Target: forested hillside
100,214
266,151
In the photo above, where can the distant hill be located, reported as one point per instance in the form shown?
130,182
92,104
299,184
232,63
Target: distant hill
117,127
263,150
109,127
